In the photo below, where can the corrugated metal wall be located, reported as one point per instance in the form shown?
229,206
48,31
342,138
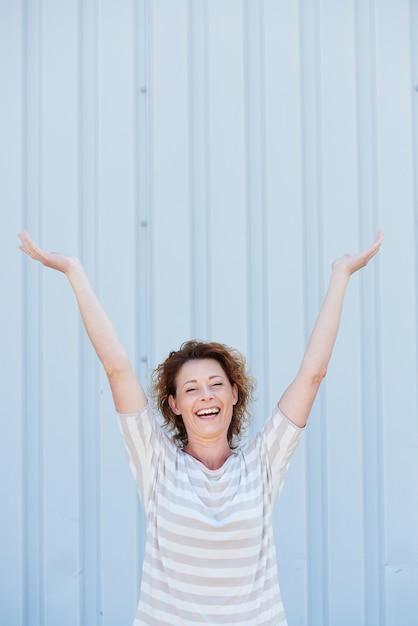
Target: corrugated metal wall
208,159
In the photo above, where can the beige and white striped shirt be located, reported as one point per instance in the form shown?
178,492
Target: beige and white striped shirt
210,556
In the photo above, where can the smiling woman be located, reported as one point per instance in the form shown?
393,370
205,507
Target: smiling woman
210,554
234,369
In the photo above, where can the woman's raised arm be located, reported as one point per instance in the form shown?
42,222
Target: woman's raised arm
297,400
128,394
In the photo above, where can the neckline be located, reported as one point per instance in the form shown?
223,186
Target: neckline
207,469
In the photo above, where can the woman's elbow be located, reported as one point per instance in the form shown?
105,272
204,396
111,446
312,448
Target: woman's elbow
315,376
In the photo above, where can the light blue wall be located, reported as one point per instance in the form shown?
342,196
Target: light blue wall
208,159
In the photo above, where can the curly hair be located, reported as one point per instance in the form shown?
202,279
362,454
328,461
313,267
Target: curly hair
164,380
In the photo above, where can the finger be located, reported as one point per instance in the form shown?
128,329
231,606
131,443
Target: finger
30,248
374,248
22,237
379,239
26,241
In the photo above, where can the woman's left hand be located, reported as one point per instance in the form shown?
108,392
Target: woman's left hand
353,262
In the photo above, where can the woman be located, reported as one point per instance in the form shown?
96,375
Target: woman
210,555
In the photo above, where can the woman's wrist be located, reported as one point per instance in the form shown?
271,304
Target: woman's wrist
74,268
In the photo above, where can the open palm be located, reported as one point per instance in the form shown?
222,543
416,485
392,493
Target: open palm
353,262
56,261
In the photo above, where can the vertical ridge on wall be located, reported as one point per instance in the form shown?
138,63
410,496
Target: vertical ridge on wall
148,65
142,287
398,306
227,171
255,175
170,182
118,204
256,216
316,446
373,587
60,179
199,166
339,228
414,108
284,276
90,442
142,186
12,107
32,422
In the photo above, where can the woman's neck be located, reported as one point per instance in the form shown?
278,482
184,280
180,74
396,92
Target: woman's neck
212,457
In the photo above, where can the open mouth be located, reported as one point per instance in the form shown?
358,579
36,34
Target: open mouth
208,413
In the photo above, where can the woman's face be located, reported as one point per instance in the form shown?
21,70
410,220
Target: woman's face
205,399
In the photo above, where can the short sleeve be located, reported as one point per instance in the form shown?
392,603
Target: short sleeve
143,438
279,439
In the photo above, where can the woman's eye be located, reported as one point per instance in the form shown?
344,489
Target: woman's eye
190,389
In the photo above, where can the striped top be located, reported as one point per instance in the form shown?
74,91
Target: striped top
210,556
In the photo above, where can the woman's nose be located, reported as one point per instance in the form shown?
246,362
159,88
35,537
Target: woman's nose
207,393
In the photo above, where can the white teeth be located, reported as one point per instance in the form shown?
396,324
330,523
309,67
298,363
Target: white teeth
208,412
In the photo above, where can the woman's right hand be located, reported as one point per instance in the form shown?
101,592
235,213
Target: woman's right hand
128,394
56,261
